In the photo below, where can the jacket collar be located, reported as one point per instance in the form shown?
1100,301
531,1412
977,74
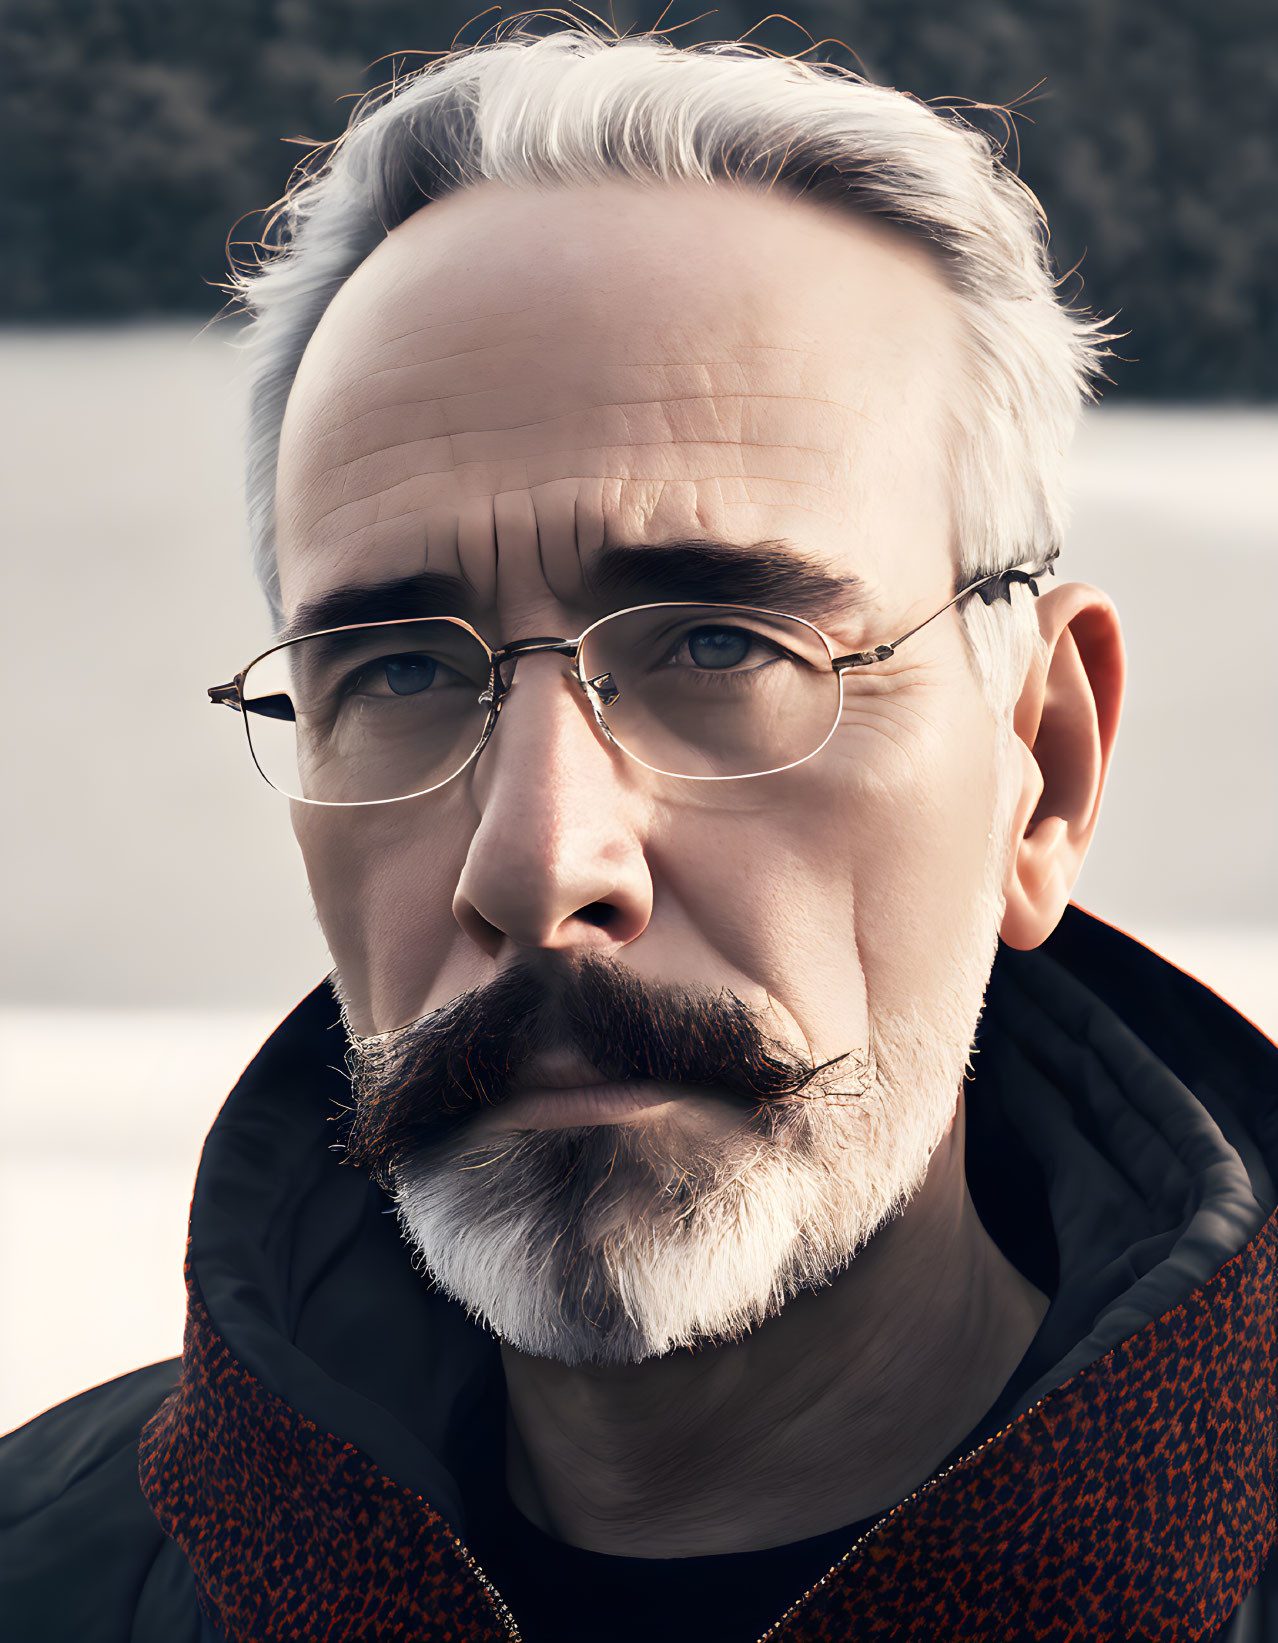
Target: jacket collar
336,1413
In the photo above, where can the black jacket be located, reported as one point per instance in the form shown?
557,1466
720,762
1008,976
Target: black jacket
311,1468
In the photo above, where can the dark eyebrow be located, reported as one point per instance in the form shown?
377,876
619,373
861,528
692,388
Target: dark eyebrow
771,575
426,593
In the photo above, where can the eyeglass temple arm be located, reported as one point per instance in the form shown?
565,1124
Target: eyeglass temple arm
997,585
270,707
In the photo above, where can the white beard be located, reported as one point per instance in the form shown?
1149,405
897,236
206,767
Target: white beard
613,1244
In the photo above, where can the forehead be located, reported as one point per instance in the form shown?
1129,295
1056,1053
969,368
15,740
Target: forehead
515,380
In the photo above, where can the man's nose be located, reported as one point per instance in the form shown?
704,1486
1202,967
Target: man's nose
557,860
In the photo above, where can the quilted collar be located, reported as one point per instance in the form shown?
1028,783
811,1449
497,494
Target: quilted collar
335,1413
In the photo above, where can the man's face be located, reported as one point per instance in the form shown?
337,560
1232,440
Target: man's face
509,384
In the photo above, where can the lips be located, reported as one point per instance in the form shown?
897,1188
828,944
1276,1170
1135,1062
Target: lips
557,1106
559,1087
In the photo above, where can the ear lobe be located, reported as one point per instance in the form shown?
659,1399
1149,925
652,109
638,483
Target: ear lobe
1066,722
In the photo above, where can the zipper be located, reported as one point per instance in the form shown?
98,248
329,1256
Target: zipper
870,1533
498,1602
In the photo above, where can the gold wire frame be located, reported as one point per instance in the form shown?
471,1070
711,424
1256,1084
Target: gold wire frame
997,585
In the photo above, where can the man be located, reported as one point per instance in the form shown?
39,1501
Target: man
655,472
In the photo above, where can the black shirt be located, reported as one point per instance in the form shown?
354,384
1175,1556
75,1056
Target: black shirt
561,1594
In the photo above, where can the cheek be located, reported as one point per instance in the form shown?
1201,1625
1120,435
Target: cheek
758,895
383,879
857,876
922,816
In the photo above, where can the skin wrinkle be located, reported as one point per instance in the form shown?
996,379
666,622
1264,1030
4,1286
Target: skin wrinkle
741,345
536,523
848,902
427,326
322,518
628,444
440,402
718,405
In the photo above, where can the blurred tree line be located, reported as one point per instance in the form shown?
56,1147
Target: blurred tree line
137,132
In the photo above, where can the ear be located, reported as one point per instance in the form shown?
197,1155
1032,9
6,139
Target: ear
1066,721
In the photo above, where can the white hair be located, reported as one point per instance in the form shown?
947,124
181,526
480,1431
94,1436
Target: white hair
575,107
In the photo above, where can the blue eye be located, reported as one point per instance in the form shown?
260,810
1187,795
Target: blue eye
406,675
719,647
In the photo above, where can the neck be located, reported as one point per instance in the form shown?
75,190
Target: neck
832,1411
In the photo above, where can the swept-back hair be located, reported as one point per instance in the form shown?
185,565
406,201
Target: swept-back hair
579,107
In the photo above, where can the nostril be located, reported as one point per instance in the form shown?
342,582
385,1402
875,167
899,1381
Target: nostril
477,927
598,913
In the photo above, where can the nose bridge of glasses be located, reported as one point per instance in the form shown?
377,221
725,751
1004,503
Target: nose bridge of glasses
503,676
601,692
525,647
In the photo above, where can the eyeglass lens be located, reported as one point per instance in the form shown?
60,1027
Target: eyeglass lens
367,714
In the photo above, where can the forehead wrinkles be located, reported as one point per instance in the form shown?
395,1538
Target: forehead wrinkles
546,510
697,465
514,547
398,441
497,387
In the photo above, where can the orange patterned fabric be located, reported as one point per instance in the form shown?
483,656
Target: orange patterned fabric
293,1535
1136,1501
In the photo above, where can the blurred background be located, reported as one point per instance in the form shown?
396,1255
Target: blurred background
157,921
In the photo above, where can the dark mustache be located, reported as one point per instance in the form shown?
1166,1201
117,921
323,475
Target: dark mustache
417,1087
